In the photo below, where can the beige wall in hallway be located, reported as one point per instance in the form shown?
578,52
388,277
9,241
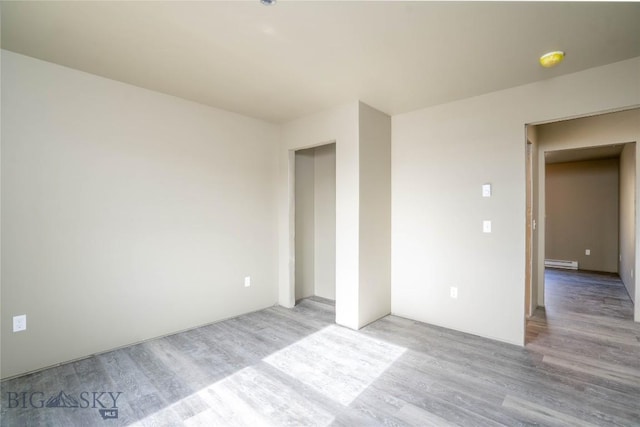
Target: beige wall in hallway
582,213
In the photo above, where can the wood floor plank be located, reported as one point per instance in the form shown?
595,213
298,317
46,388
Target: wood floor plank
543,414
415,416
608,374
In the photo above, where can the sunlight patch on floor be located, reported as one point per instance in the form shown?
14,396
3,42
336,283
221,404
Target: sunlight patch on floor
253,398
249,397
337,362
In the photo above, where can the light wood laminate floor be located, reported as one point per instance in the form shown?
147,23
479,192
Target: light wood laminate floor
581,366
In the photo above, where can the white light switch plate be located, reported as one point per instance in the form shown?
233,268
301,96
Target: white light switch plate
486,226
486,190
19,323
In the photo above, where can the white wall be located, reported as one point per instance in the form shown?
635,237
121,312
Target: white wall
127,207
339,125
126,214
325,221
375,214
605,129
440,158
305,223
628,205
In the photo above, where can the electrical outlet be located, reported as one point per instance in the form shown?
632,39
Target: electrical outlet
454,292
247,281
19,323
486,226
587,251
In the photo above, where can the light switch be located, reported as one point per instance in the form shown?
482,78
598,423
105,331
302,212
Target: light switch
587,251
486,190
19,323
486,226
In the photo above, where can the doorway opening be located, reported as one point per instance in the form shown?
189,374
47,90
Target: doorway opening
589,211
582,232
315,223
581,185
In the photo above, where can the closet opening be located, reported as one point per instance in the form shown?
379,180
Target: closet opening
315,223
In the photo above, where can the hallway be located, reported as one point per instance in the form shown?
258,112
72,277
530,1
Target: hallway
587,330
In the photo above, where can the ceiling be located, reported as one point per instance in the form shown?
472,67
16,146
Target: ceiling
299,57
583,154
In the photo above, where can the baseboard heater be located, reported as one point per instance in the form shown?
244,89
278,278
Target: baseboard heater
559,263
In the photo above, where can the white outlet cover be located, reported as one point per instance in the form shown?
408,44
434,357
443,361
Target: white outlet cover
454,292
247,281
19,323
486,226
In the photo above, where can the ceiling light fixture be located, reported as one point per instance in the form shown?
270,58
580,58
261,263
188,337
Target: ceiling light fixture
551,59
268,2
